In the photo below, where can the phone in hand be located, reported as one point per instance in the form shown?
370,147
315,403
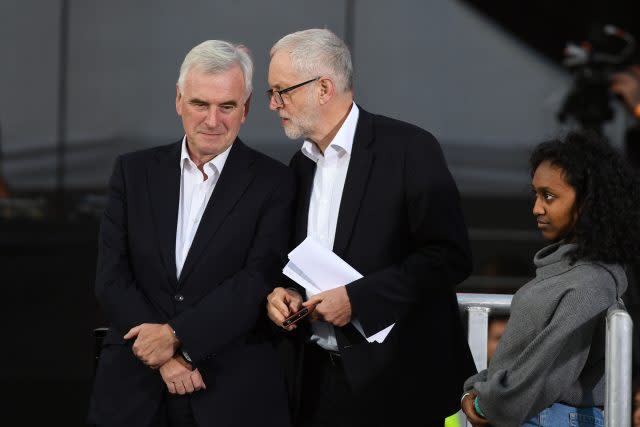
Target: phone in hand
295,317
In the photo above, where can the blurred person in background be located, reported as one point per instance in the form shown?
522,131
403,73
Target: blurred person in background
626,84
635,396
495,330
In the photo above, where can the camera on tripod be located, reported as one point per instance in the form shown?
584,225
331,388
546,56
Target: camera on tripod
609,49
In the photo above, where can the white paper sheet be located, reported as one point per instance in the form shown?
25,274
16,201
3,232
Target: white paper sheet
317,269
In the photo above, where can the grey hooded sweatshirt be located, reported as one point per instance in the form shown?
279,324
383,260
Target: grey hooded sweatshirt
553,347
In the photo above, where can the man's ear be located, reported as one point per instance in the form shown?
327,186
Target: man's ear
327,89
178,99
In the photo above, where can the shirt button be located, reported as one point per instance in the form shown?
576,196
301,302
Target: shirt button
178,297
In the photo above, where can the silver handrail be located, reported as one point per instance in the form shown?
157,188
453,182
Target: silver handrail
478,307
617,352
617,409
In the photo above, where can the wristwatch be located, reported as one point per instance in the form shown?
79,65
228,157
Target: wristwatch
186,356
181,351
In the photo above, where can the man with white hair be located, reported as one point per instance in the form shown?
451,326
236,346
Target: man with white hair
378,193
193,237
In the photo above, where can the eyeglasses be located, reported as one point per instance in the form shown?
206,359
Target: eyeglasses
277,94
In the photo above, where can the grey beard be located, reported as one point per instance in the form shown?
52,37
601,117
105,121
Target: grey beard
294,131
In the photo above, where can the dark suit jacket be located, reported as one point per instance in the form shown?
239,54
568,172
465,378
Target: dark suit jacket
217,305
400,225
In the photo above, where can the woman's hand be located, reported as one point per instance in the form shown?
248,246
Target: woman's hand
470,411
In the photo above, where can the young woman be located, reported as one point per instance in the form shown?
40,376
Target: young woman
548,368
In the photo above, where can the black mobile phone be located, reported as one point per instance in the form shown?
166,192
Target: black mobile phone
291,320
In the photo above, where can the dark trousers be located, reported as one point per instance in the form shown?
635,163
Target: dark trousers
328,401
326,396
175,412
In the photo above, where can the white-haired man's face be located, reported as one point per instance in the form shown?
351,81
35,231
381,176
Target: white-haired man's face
212,108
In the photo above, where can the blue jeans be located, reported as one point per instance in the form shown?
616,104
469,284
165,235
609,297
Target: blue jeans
559,415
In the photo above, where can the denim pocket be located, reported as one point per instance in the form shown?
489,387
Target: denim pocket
584,420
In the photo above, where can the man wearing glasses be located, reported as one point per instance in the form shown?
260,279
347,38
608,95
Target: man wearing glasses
377,192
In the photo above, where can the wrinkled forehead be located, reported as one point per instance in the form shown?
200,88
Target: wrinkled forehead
281,69
227,84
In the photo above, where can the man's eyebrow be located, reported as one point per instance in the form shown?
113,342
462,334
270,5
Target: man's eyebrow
198,101
278,85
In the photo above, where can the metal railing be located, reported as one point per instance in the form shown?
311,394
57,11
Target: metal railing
617,410
617,407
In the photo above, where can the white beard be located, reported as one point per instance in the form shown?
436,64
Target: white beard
302,125
294,131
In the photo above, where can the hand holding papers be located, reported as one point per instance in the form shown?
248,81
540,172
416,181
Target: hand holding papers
318,269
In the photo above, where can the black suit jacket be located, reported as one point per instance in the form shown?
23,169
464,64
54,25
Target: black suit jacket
401,226
217,305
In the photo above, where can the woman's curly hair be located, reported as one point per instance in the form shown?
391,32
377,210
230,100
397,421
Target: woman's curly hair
607,196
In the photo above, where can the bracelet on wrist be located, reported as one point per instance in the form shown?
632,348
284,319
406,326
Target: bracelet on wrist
477,407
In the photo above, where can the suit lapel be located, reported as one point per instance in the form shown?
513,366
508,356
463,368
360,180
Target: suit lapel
232,183
355,183
164,191
305,170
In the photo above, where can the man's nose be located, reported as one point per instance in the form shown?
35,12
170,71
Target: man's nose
212,118
273,105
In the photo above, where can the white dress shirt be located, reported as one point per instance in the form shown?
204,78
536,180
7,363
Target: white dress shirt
328,183
195,192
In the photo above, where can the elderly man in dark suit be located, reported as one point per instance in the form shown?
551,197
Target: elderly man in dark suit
378,193
193,237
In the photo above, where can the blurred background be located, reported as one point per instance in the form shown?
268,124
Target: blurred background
82,81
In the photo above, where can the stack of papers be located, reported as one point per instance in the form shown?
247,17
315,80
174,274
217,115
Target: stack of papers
318,269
